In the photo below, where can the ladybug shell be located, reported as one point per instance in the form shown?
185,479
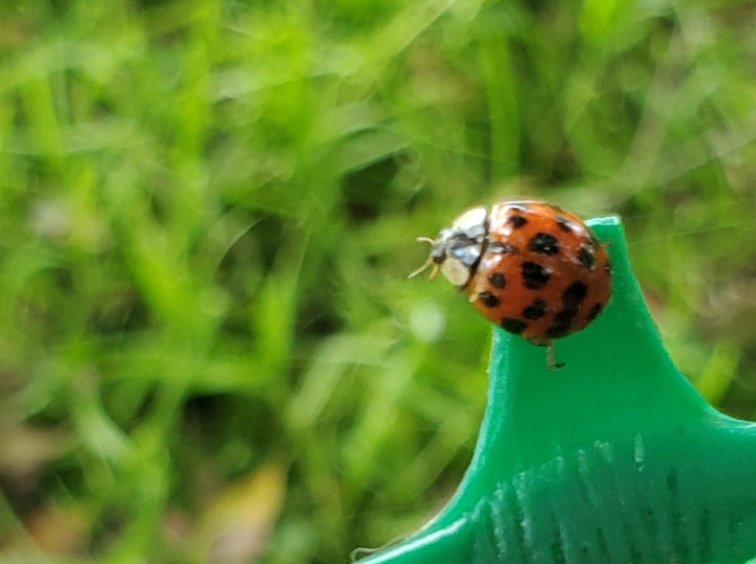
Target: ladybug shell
543,274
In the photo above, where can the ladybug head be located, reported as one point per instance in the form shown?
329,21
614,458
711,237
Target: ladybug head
457,249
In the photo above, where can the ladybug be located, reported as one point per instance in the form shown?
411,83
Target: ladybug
531,267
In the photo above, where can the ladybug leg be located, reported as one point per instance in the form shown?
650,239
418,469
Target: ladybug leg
551,361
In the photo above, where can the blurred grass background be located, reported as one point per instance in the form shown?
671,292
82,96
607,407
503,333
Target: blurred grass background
208,346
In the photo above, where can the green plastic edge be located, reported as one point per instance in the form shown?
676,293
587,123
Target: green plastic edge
619,390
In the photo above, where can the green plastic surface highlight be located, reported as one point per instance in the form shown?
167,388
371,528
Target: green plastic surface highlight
614,458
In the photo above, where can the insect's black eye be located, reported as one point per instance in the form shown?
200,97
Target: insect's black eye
438,253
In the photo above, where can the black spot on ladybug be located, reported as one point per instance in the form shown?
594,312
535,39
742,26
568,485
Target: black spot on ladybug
565,316
534,276
564,224
574,295
498,280
488,299
544,243
562,323
535,310
517,221
558,330
587,257
499,248
595,311
513,325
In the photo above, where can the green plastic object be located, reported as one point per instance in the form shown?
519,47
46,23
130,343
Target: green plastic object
614,458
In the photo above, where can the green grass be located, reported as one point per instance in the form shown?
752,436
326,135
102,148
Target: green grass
208,211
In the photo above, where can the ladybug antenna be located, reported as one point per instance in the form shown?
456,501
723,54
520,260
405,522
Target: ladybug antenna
428,262
422,269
